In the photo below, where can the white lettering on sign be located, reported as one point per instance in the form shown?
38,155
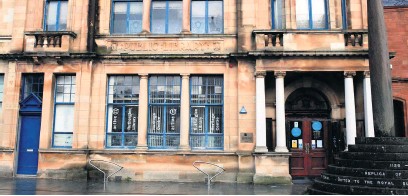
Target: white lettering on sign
387,183
368,182
395,165
367,173
344,180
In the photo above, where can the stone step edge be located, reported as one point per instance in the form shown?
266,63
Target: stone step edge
374,156
396,165
390,148
379,173
356,181
346,189
319,192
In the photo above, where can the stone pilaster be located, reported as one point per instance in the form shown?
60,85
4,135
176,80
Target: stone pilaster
280,112
146,16
184,112
368,106
186,16
350,108
260,112
143,108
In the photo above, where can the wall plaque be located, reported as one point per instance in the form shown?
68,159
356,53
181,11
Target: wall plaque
247,138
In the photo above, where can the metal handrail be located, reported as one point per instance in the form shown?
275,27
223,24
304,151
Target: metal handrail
105,179
208,175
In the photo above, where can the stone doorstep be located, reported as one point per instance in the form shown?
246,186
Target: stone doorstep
267,179
373,156
378,148
355,190
382,140
365,181
363,172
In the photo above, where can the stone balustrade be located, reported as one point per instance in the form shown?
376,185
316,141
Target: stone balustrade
48,41
354,37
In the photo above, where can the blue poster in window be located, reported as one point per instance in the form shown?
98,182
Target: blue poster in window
317,126
296,131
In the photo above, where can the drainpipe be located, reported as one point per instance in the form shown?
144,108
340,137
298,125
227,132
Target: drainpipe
91,26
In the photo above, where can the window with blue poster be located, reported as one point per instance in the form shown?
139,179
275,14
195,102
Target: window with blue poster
296,134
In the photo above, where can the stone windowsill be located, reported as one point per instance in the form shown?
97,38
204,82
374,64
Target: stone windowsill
166,36
295,31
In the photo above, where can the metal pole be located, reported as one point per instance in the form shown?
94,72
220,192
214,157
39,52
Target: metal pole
383,111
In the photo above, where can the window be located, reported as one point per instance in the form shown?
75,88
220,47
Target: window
123,108
127,16
344,13
278,14
207,16
56,15
311,14
32,84
64,111
1,92
164,112
166,17
206,115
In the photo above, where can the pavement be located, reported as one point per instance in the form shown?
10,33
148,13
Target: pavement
34,186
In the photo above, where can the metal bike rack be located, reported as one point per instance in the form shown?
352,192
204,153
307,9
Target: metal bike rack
208,175
105,178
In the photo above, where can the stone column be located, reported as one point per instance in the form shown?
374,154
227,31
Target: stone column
280,113
350,108
368,106
146,16
143,107
184,112
260,112
186,16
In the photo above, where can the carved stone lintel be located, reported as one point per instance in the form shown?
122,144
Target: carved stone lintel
280,74
260,74
143,75
366,74
349,74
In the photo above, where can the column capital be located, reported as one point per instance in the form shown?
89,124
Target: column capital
260,74
143,75
366,74
185,75
280,74
349,74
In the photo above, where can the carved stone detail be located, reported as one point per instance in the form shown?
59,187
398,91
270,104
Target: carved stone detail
349,74
260,74
366,74
280,74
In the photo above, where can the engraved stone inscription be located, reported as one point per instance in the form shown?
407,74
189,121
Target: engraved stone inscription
170,46
368,182
370,173
395,165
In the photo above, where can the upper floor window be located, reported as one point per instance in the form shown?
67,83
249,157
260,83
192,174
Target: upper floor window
311,14
166,16
207,16
1,91
127,16
64,111
278,14
56,15
32,84
123,108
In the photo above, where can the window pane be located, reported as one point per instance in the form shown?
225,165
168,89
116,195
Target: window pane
131,118
63,16
123,89
62,140
197,120
130,140
65,89
302,14
173,119
33,83
135,17
156,119
198,17
1,87
319,14
215,19
114,140
158,17
52,16
64,118
215,119
166,90
279,14
175,16
119,17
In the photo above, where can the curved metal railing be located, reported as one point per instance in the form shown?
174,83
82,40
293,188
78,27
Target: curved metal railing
208,175
105,178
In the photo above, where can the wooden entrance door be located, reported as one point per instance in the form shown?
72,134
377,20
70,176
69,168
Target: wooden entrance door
308,144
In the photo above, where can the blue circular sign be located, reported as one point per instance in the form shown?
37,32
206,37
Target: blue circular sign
317,126
296,132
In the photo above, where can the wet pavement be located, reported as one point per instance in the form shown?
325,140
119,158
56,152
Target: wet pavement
32,186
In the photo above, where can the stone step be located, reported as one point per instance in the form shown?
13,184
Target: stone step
374,156
355,190
378,148
365,181
364,172
389,165
382,140
312,191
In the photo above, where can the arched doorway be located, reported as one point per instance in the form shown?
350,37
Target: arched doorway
308,123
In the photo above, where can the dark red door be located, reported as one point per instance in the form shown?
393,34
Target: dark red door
308,141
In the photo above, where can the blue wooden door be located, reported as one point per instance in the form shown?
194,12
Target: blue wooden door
28,145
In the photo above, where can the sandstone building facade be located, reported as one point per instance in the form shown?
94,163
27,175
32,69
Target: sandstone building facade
270,89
